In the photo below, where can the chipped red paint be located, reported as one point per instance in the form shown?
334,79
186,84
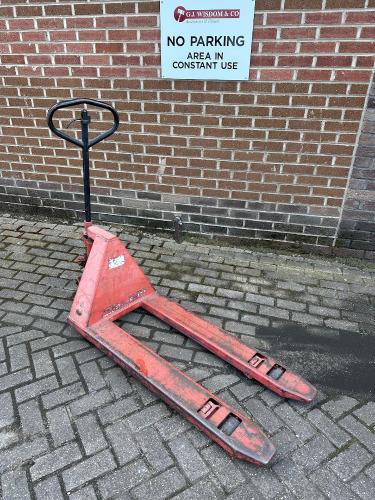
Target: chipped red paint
112,285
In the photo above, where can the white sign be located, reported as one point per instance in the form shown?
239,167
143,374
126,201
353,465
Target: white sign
117,262
206,40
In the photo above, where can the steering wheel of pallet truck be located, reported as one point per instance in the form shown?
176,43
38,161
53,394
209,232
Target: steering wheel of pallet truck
76,102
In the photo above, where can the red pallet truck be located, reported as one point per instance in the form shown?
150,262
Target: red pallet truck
113,284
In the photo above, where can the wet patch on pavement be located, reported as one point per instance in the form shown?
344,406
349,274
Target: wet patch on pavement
336,361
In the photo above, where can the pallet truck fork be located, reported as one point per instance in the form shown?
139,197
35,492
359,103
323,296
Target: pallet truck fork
113,285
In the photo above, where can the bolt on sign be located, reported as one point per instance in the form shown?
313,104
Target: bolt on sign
205,39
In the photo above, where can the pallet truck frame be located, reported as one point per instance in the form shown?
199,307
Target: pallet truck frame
113,285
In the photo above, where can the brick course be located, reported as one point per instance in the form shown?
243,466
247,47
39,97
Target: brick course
282,143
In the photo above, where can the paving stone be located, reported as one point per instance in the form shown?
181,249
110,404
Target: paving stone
15,486
88,354
359,431
106,363
93,376
89,469
246,492
224,313
124,479
53,282
307,319
332,431
160,487
173,426
265,481
228,475
117,382
90,402
91,434
64,395
331,485
154,449
364,487
3,366
285,442
203,489
69,347
14,307
49,489
169,337
260,299
49,326
33,288
324,311
57,459
206,358
267,419
314,453
15,379
87,493
371,472
7,438
18,357
16,455
9,330
239,327
300,427
31,418
188,459
148,416
20,338
67,370
6,410
12,295
367,413
195,287
270,398
255,320
122,442
42,363
219,382
179,353
350,461
342,325
243,390
291,305
9,283
117,410
46,342
60,426
35,389
338,407
294,479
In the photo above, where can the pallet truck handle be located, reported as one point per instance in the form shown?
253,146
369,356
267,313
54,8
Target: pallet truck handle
75,102
85,144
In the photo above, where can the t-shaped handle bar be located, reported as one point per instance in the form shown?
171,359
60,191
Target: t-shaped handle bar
85,144
75,102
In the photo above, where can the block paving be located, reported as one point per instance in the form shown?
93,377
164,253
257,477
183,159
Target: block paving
74,425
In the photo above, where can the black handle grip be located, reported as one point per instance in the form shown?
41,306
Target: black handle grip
76,102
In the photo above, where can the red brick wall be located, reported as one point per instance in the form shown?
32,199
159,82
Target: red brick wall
267,158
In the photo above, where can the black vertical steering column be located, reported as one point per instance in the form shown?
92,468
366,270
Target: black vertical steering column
85,120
